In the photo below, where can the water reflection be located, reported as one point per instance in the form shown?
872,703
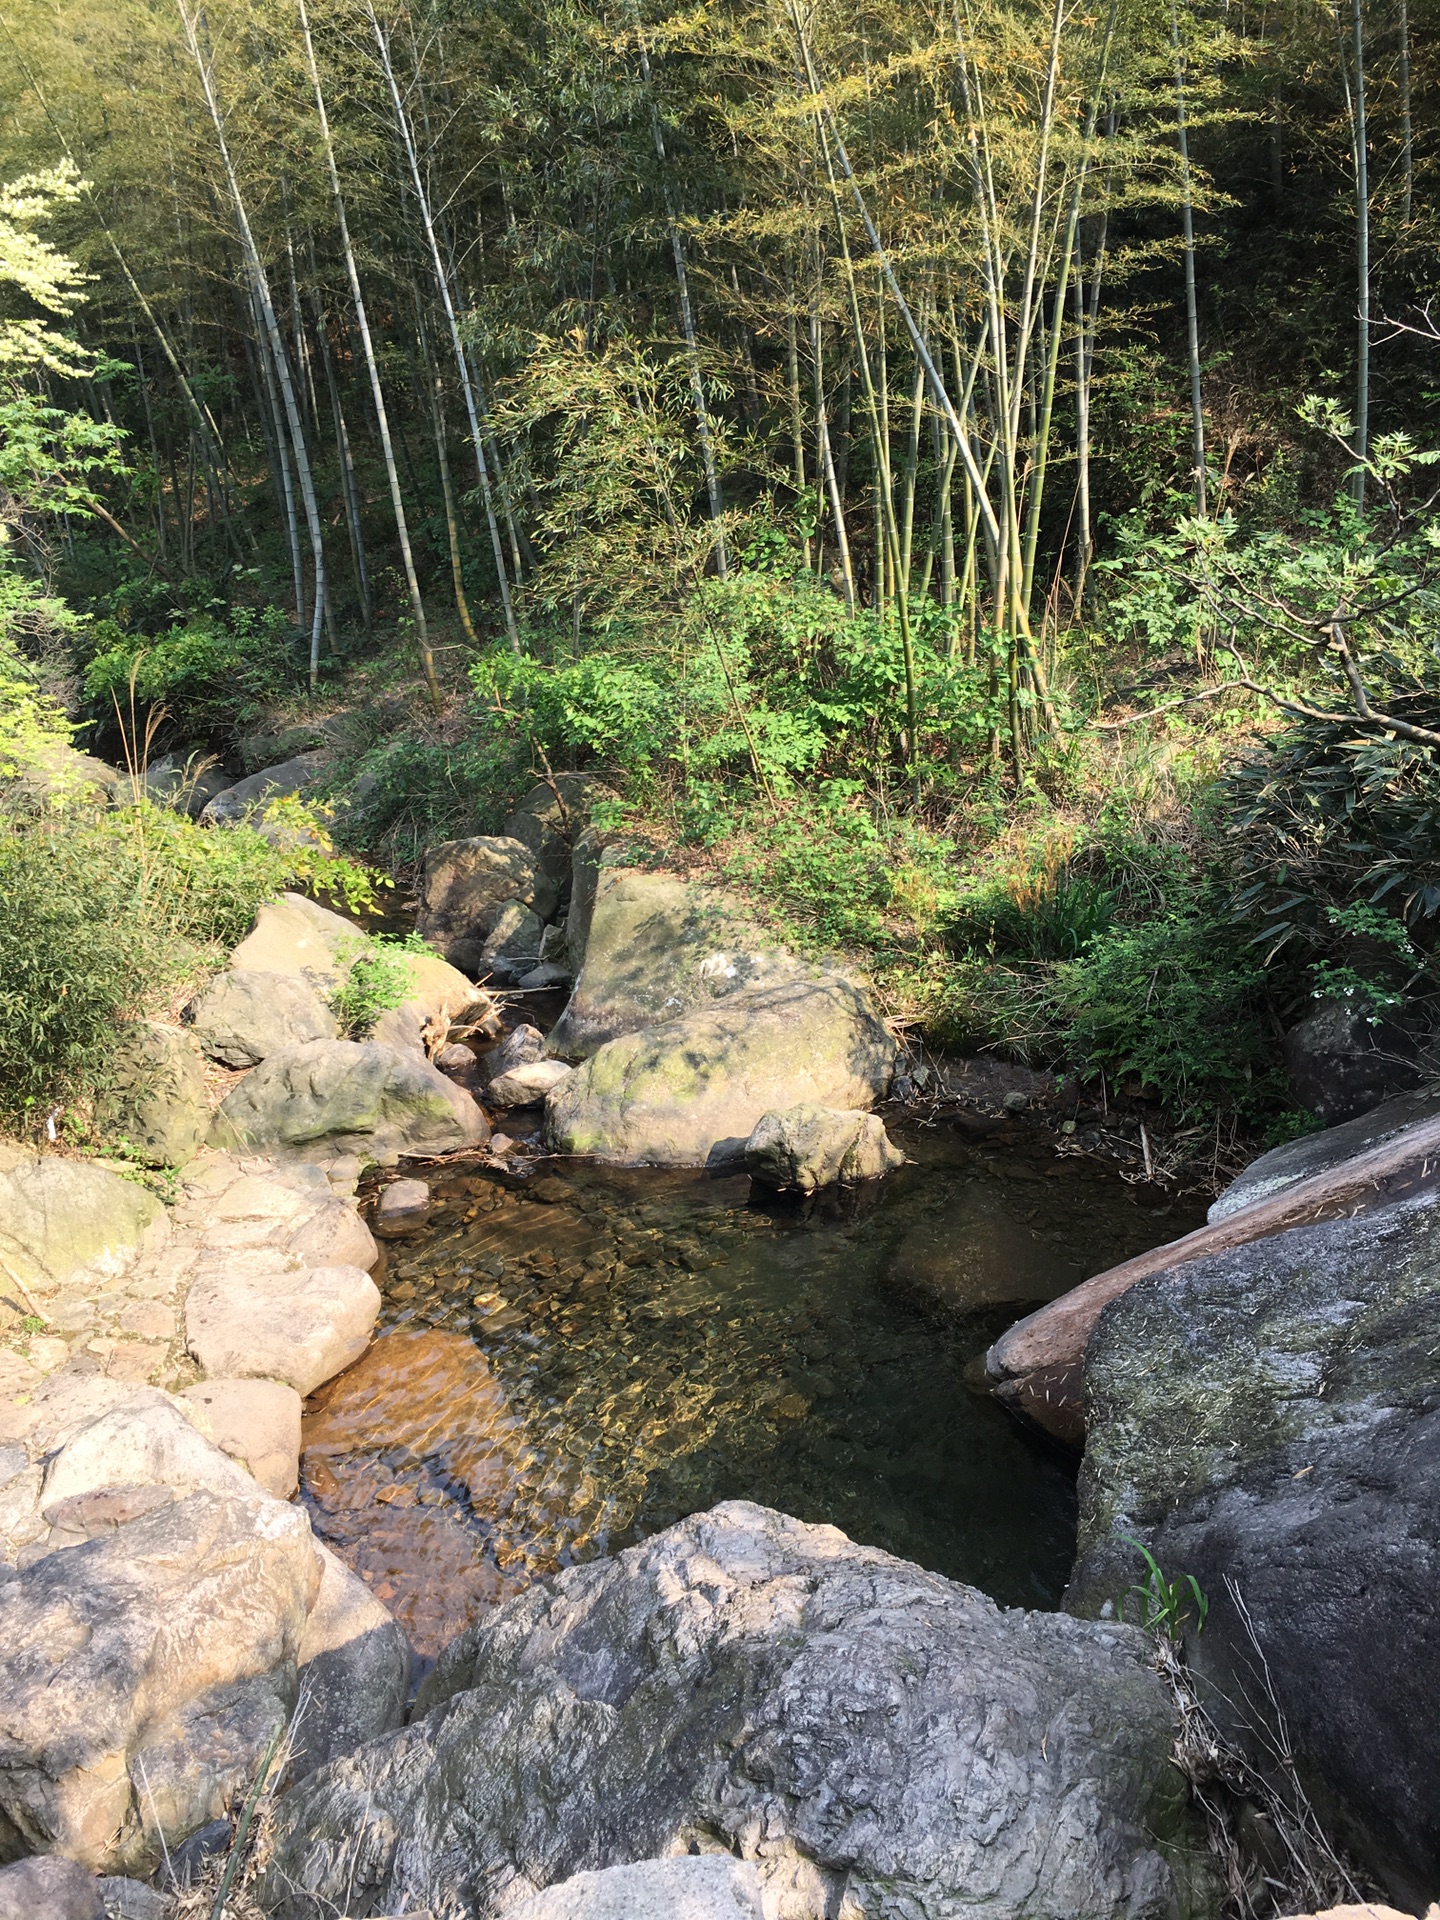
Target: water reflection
568,1363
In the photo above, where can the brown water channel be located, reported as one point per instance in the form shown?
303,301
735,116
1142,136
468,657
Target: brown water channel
569,1362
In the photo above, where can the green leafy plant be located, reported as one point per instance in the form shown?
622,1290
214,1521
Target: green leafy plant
107,914
1161,1606
374,979
211,672
1177,1002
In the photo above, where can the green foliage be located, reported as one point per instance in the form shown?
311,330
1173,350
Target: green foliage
1323,816
761,673
407,792
30,721
34,274
52,461
1163,1606
374,978
211,672
106,915
1177,1003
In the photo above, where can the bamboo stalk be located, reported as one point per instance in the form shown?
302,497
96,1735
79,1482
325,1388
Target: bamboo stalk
377,392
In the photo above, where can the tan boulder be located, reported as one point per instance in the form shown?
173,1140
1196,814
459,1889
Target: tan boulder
256,1422
144,1672
297,1325
691,1091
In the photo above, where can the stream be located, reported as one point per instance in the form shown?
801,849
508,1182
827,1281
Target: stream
570,1361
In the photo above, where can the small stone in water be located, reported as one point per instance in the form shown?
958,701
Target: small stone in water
404,1206
791,1406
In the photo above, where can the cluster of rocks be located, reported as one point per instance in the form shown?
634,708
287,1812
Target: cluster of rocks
164,1608
688,1025
1259,1404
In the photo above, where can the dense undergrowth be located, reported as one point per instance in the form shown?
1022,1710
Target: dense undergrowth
1145,893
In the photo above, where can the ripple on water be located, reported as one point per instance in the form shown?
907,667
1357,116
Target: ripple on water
567,1364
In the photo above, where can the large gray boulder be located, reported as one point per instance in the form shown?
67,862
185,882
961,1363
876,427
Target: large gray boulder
691,1091
64,1222
657,947
806,1147
703,1886
466,887
354,1669
552,816
874,1738
337,1096
511,949
157,1100
1268,1420
186,782
143,1673
1341,1062
257,790
244,1016
1322,1152
47,1887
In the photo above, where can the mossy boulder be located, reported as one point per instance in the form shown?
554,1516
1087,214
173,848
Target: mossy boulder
806,1147
1268,1420
339,1096
690,1091
657,947
157,1100
63,1221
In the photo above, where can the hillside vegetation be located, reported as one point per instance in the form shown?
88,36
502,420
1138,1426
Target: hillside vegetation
963,477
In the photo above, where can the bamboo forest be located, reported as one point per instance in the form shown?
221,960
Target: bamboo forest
963,477
719,959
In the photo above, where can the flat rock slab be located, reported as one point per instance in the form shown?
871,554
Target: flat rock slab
689,1887
299,1325
1324,1151
62,1221
143,1673
1268,1420
690,1092
341,1095
873,1738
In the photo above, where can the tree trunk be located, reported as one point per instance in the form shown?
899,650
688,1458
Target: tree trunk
377,392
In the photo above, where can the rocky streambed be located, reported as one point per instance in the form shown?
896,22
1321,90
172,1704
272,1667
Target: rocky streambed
730,1589
569,1362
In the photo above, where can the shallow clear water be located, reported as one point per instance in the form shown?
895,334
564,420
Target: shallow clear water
569,1363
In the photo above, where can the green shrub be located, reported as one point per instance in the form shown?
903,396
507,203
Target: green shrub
212,673
1179,1004
107,915
1324,816
374,979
